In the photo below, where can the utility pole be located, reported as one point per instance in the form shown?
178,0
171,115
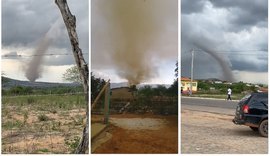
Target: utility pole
191,72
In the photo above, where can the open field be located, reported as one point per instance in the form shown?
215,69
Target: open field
42,124
144,133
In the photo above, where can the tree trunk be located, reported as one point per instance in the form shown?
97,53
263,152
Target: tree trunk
70,22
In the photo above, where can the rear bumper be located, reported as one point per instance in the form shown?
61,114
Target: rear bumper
238,122
252,123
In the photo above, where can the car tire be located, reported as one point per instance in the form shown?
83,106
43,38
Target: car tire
254,128
263,128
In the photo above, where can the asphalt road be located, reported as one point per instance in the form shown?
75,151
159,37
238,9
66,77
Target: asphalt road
209,105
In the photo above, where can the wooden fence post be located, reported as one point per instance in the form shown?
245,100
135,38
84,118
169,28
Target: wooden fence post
107,104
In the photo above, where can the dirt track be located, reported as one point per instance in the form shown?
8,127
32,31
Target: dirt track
208,133
146,134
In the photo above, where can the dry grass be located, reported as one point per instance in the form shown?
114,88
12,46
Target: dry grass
47,124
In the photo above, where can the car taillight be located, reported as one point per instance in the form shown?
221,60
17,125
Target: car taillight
245,108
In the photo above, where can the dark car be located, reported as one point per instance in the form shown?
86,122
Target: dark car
252,111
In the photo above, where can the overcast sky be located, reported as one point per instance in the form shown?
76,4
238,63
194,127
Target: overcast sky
134,40
26,22
236,30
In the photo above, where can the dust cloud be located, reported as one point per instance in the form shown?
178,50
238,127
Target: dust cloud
134,29
34,67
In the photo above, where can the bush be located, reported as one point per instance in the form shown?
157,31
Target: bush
30,100
43,117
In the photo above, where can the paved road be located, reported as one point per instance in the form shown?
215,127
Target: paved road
209,105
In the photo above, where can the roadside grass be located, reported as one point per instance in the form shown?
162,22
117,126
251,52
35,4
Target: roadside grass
216,96
43,150
42,124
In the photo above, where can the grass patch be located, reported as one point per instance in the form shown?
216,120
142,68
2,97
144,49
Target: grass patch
73,143
44,150
46,102
78,120
12,124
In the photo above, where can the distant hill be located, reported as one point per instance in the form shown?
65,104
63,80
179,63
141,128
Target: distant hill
8,83
125,84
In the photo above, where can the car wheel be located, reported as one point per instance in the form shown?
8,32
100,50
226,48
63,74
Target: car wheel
254,128
263,128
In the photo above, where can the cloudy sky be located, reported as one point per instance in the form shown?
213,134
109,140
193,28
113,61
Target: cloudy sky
24,25
234,30
134,41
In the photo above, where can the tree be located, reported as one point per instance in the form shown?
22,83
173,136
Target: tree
72,74
146,91
173,89
70,22
176,70
203,85
96,86
160,90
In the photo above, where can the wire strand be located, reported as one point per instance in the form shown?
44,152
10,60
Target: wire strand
51,54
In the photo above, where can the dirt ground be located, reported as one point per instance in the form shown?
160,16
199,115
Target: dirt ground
141,134
41,124
208,133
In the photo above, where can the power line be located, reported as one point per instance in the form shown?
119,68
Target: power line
242,51
236,52
35,55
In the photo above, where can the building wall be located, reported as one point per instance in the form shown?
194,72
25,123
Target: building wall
121,93
185,86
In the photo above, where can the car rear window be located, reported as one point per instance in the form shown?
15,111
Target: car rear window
259,98
245,97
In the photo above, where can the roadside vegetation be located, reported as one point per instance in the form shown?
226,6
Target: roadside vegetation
214,90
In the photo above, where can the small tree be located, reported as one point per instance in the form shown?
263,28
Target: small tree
72,74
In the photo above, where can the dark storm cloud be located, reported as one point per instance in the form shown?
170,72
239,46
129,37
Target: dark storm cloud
25,22
245,12
249,66
224,25
191,6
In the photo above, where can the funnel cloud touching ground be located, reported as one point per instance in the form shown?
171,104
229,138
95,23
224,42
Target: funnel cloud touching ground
132,37
226,70
34,67
24,25
234,32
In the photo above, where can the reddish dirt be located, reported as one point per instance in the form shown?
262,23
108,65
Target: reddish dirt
163,140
